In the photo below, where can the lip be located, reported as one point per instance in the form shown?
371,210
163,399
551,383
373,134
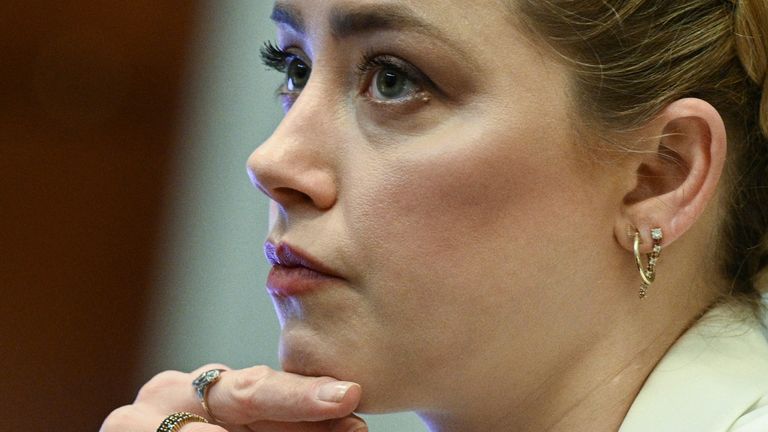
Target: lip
294,271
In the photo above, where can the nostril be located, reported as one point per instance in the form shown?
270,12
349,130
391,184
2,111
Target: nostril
287,195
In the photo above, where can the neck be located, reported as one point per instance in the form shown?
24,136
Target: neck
592,392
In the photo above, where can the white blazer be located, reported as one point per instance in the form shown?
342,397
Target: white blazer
713,379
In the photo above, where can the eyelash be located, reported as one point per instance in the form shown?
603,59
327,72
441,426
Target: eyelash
274,57
279,59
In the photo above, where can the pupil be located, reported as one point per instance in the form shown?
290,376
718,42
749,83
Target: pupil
390,79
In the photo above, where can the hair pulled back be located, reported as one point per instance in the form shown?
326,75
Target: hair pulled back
751,29
631,58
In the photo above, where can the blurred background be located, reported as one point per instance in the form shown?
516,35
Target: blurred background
130,235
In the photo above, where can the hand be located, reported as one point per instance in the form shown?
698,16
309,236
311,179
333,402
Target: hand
256,399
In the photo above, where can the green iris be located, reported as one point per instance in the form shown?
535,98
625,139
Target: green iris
391,84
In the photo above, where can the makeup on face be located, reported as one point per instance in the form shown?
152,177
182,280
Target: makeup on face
421,151
295,272
383,55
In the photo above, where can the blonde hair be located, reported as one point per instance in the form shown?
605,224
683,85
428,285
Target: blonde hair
751,28
631,58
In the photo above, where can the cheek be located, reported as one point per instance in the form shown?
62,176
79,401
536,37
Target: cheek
462,201
451,235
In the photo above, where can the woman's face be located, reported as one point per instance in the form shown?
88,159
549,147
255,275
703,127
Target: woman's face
427,156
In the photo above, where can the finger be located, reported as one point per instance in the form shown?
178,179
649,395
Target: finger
350,423
195,373
260,393
131,419
201,427
173,391
122,419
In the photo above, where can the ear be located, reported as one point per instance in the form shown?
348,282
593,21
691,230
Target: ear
677,176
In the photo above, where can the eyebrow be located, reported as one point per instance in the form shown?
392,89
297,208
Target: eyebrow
355,20
362,19
288,15
348,21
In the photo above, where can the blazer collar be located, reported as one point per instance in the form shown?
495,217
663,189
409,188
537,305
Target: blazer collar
710,377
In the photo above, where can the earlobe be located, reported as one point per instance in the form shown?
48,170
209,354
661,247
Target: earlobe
676,176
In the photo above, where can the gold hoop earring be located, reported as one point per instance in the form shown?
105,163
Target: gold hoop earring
648,272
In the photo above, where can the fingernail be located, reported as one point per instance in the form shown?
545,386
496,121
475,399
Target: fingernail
360,429
334,391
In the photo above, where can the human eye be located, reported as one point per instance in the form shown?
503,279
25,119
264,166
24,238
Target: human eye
296,70
390,80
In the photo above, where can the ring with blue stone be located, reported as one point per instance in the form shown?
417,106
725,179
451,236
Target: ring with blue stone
201,384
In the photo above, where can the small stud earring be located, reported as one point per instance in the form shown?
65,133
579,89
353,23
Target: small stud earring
648,272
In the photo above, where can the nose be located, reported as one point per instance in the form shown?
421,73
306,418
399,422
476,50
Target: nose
295,165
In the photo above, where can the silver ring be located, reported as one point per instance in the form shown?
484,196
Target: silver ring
201,385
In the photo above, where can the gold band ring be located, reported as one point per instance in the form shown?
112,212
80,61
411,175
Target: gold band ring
177,420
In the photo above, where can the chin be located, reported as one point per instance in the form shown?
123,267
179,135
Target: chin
306,358
306,353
